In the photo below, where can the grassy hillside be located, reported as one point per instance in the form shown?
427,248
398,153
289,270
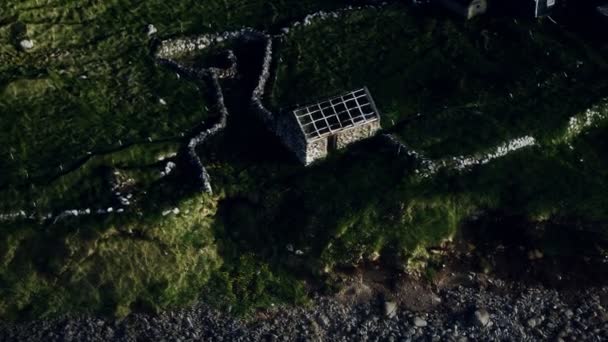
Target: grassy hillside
89,84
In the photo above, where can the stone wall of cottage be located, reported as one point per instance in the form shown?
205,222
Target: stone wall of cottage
289,133
352,135
316,150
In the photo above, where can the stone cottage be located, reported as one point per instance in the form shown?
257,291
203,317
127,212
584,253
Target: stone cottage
313,131
466,8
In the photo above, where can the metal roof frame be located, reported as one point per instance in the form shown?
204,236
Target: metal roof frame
336,114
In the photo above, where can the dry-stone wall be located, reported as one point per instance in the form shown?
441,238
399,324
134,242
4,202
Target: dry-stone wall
428,168
258,93
204,177
170,50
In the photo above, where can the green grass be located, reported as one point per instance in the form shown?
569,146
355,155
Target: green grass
109,265
87,183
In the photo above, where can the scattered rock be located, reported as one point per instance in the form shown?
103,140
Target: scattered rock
374,256
435,299
535,254
390,309
324,321
330,319
151,30
419,322
481,317
26,44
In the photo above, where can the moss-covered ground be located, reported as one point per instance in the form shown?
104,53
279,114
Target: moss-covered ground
87,107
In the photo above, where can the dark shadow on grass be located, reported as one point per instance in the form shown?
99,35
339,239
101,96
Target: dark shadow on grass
572,251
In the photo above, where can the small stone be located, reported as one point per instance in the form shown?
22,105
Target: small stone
569,313
324,321
390,309
419,322
26,44
532,322
151,30
481,317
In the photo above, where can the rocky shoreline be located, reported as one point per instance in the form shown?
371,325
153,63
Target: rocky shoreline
481,309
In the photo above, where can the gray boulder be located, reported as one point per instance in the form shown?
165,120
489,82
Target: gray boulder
390,309
481,317
420,322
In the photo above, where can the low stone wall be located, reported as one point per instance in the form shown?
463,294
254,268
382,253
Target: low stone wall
179,47
176,48
257,103
428,168
204,177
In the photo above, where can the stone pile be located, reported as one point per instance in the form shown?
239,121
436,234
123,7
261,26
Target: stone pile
521,313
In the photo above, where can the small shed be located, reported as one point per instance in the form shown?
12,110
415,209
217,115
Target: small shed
466,8
313,131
